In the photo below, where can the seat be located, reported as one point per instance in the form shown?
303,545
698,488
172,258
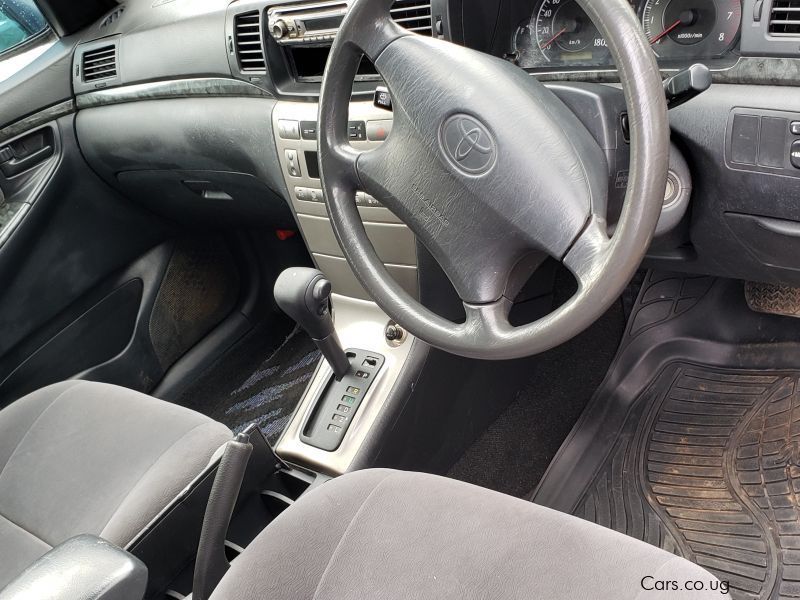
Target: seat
390,535
89,458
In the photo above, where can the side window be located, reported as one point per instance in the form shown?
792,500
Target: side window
20,20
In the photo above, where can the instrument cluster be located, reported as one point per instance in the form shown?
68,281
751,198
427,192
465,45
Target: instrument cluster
559,34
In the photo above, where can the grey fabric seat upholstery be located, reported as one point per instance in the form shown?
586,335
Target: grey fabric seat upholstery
80,457
390,535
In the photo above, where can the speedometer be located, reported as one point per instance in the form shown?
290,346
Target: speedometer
679,29
565,34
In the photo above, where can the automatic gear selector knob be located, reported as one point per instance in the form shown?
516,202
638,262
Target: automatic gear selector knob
304,294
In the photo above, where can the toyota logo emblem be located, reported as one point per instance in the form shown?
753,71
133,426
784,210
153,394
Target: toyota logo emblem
468,145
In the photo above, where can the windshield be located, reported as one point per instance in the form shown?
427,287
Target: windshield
20,20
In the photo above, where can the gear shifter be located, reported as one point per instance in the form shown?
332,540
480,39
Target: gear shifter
304,294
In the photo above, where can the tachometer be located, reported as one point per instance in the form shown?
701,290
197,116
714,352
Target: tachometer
680,29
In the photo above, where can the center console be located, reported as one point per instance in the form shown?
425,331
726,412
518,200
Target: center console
360,325
295,125
282,47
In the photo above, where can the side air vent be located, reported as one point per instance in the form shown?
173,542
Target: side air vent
414,15
784,19
99,63
249,44
112,17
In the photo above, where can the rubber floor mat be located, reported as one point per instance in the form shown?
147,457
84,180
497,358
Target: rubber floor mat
692,442
710,470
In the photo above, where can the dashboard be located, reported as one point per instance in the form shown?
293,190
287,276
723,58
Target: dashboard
216,73
558,34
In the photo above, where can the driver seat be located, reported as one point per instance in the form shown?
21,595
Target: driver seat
391,535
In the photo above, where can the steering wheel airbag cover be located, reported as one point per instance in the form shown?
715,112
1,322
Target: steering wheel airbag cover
534,194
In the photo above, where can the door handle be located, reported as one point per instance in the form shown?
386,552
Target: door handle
14,166
207,190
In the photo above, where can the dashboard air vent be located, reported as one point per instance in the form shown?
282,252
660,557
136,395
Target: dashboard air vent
784,19
414,15
100,63
112,17
249,45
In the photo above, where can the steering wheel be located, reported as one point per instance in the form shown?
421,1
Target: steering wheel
492,173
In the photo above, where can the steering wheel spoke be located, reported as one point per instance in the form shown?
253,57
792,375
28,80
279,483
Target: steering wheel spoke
588,257
378,30
488,321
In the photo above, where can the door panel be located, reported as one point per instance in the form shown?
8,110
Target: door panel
108,326
77,232
27,162
65,305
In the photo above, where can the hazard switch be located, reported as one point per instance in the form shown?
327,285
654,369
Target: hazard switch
378,131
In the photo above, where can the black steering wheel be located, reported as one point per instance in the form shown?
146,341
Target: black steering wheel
491,172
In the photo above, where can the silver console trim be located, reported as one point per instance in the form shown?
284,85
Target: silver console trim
359,324
375,217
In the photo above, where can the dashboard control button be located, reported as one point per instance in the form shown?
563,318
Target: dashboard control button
308,129
625,124
289,130
303,194
292,163
758,9
364,199
357,131
279,29
383,98
794,154
744,139
772,147
794,127
378,131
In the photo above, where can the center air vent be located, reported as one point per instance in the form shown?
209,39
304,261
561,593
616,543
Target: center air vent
249,45
784,19
99,63
414,15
